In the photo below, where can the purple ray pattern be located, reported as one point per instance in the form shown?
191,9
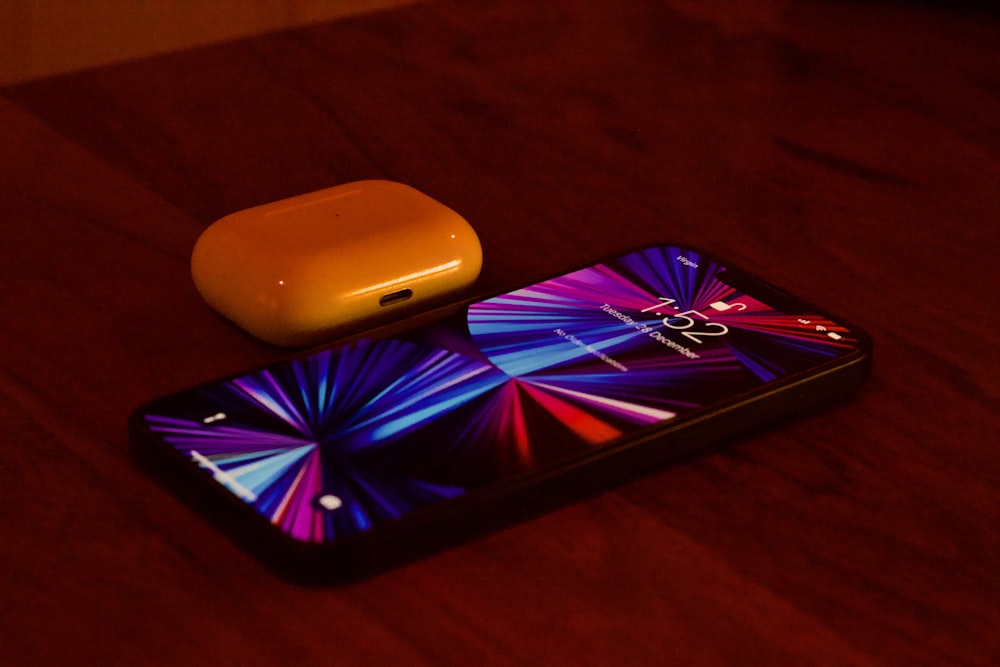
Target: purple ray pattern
337,442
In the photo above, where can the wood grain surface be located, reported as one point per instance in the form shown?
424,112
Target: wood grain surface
850,151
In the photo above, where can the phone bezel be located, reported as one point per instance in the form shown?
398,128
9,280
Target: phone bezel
489,507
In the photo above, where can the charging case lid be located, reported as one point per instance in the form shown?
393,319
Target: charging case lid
303,270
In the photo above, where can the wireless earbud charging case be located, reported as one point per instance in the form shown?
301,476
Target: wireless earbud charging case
303,270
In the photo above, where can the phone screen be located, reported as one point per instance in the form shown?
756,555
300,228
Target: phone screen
355,435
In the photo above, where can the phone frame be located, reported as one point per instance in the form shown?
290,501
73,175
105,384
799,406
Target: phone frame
498,504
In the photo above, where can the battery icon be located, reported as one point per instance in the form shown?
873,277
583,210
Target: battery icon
834,335
721,306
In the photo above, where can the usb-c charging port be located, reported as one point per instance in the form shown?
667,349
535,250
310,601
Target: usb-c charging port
395,297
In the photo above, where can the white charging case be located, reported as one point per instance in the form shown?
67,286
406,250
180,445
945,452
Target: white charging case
303,270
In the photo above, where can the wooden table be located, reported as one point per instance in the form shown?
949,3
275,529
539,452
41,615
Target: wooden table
849,149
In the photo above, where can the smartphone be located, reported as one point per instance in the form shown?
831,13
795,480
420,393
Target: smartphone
361,455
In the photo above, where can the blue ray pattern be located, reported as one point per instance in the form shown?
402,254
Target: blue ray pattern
355,435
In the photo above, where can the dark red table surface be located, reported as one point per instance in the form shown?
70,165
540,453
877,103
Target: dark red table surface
850,150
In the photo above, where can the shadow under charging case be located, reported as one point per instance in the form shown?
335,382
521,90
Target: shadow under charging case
303,270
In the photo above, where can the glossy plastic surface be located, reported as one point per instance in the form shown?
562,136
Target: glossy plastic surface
302,270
